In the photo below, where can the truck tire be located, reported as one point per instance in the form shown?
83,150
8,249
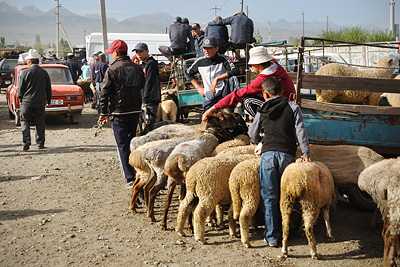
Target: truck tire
360,198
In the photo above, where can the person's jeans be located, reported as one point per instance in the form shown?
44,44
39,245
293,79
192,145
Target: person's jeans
36,115
124,129
98,90
273,163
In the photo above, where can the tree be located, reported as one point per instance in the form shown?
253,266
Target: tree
2,42
357,34
258,37
37,39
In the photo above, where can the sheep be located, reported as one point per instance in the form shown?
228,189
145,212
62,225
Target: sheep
163,132
240,140
385,69
382,182
179,162
239,150
207,186
244,187
308,185
393,98
168,108
87,91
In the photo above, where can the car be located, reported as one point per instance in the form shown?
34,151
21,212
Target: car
6,68
66,100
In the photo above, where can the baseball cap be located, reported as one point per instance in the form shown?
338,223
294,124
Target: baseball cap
258,55
141,47
117,45
195,26
84,60
210,41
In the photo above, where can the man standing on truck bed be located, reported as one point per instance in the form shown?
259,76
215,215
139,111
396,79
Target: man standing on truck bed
120,98
34,91
181,40
217,72
151,92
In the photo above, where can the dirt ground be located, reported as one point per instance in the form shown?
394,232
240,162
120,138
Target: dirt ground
66,205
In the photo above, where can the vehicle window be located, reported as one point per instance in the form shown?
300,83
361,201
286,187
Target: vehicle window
59,75
9,64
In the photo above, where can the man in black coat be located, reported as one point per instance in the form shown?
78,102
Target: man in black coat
34,91
76,71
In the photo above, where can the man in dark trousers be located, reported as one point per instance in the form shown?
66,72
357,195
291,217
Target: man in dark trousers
121,101
74,67
34,91
181,40
99,71
151,93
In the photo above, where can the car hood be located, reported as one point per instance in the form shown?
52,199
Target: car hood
66,89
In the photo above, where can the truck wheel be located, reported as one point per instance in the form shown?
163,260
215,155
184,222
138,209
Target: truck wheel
18,120
360,198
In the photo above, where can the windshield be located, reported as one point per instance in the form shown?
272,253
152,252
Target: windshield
57,75
8,64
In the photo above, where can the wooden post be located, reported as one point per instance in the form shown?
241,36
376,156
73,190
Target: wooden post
300,71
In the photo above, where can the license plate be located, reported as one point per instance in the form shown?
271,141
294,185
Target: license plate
56,102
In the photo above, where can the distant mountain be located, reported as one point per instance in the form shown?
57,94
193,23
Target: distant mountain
29,21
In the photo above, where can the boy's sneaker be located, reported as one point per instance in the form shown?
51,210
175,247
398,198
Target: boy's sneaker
129,184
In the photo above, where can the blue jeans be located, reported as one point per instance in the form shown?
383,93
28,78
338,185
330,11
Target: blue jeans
273,163
124,129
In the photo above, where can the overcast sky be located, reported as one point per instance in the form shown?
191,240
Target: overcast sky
342,12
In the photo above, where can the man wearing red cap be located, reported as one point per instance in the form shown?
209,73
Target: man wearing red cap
120,99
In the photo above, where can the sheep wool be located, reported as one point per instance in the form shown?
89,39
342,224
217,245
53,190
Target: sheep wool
382,182
240,140
385,69
309,184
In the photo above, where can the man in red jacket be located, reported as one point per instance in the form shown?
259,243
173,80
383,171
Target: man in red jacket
251,95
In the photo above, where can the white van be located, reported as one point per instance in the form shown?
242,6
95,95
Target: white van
94,43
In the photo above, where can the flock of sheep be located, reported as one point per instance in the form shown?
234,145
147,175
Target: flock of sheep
217,167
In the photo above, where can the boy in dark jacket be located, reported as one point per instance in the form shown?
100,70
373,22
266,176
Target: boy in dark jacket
282,122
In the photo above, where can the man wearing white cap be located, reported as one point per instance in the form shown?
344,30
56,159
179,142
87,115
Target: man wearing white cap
34,91
251,95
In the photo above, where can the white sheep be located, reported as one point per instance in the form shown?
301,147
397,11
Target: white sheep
208,182
385,69
167,109
308,185
240,140
239,150
244,186
394,98
179,162
382,182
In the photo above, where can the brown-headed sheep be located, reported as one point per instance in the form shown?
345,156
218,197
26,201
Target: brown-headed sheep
308,185
382,182
385,67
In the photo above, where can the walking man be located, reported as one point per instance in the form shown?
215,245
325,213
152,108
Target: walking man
99,71
34,91
120,102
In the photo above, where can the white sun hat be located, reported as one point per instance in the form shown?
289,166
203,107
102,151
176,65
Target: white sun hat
33,54
258,55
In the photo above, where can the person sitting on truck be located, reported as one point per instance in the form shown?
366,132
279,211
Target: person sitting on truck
198,36
242,29
151,92
221,33
73,66
181,40
265,66
217,72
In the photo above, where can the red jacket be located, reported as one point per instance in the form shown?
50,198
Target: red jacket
254,88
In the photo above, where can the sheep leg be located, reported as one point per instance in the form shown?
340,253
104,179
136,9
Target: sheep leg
171,190
149,184
286,210
183,192
325,211
310,215
389,245
164,116
232,223
185,208
203,209
152,197
220,216
136,188
247,212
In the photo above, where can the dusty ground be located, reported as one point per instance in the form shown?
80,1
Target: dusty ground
67,206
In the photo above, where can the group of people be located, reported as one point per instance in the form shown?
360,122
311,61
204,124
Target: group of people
126,88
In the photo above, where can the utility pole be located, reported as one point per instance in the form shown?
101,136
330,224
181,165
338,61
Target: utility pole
58,26
104,24
242,5
391,26
215,10
303,22
327,24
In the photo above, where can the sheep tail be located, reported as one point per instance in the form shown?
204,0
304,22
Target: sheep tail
236,200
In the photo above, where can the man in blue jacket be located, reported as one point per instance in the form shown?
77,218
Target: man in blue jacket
99,71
